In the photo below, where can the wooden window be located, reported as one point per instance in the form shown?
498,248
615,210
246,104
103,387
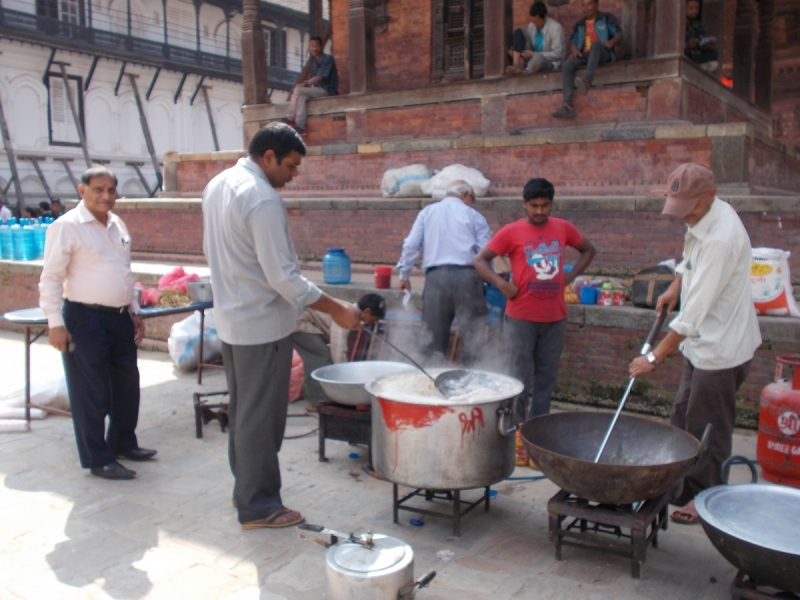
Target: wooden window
457,35
59,114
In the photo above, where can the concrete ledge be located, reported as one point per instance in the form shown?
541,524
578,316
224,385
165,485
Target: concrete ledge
773,329
655,204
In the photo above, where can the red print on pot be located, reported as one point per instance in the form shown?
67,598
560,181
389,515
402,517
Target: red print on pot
399,415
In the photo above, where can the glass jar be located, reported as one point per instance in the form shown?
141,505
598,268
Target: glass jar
336,267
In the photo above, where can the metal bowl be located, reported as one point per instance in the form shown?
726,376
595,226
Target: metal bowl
344,383
199,290
755,528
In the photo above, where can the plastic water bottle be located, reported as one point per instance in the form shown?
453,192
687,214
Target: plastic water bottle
16,237
39,231
29,240
6,242
336,267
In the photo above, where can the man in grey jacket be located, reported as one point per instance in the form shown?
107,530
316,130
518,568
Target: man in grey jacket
540,47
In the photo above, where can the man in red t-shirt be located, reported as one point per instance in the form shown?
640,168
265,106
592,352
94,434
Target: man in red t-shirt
536,313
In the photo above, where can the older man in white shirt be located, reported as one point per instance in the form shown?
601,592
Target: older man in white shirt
86,292
258,295
5,214
716,329
451,233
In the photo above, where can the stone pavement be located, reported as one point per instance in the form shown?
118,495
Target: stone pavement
172,532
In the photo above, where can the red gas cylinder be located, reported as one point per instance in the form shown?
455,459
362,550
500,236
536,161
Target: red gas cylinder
779,425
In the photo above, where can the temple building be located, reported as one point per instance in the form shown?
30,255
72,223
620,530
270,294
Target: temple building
146,77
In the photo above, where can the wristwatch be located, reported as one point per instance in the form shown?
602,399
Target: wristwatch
651,358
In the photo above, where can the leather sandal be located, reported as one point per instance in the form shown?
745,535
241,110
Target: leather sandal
271,521
684,517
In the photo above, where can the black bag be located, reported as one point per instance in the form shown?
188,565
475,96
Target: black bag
649,284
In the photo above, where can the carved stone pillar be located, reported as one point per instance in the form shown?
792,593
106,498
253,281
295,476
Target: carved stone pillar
497,29
315,17
766,12
254,59
670,27
744,37
714,21
361,25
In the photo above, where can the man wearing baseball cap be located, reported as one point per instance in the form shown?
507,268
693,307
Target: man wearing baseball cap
716,329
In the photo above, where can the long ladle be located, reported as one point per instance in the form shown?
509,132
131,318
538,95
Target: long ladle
648,345
439,382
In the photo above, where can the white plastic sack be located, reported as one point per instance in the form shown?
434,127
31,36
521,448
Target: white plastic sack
184,339
437,185
51,392
771,283
405,182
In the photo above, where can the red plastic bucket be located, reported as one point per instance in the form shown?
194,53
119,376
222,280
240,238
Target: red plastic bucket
383,277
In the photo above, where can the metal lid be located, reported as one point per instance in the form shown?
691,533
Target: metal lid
760,514
386,553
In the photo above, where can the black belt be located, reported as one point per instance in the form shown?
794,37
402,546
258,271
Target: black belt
102,307
429,269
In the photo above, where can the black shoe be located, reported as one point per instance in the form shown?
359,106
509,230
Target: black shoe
113,470
565,112
137,454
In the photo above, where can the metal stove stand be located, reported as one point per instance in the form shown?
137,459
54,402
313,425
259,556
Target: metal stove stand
745,588
583,524
346,424
453,496
204,412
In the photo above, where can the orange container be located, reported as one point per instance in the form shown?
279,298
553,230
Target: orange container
383,277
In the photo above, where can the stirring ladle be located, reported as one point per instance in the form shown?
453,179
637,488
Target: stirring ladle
648,345
439,382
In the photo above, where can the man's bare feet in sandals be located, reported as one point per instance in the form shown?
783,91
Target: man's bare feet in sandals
513,70
283,517
686,515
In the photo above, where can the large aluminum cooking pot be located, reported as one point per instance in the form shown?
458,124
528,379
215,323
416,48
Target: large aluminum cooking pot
344,383
370,566
438,443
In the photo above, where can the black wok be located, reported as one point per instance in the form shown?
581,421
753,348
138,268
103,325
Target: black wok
642,460
756,528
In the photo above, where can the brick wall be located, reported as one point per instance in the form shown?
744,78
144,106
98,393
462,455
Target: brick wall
702,108
595,365
600,105
452,118
194,175
786,112
403,52
598,164
772,169
624,238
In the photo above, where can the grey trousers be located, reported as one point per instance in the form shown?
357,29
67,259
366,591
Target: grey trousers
706,397
258,389
598,55
534,349
453,291
315,354
298,106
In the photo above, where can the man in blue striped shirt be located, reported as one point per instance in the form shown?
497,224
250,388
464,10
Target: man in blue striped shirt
451,233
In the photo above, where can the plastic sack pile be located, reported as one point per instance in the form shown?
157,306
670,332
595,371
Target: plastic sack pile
51,392
415,181
771,283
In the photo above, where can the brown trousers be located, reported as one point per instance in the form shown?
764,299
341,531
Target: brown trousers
706,397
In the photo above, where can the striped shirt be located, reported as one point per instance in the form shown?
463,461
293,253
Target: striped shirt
717,314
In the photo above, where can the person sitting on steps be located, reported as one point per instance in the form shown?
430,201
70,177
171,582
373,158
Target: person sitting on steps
592,44
540,47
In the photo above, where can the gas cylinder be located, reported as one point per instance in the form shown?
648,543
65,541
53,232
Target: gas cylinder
779,425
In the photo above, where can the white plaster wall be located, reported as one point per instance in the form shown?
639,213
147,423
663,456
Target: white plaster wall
113,129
